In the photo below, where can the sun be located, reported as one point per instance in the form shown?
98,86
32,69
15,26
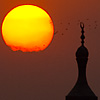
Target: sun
27,28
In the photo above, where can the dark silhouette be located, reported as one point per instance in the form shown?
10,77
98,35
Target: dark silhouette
55,32
66,28
87,19
81,90
69,23
95,27
95,21
62,34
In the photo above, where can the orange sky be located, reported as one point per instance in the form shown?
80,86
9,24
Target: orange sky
51,74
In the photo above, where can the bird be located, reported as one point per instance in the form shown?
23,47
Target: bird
69,23
55,32
87,19
66,28
62,34
95,27
95,21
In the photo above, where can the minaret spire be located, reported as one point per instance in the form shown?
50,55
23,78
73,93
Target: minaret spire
82,36
81,90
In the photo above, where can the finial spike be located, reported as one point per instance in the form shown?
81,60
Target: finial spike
82,36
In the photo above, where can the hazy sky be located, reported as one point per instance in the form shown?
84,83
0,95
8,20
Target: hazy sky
51,74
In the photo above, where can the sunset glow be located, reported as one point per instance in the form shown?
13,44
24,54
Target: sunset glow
27,28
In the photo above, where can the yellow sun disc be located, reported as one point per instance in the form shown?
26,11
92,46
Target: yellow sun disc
27,28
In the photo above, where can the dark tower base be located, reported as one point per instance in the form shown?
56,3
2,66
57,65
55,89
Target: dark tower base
81,98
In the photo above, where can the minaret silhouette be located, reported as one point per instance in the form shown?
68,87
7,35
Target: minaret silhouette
81,90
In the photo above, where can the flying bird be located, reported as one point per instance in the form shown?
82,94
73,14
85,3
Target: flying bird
69,23
66,28
62,34
87,19
55,32
95,21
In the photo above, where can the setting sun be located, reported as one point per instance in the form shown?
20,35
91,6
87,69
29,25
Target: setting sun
27,28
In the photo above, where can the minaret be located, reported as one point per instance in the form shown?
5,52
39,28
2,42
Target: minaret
81,90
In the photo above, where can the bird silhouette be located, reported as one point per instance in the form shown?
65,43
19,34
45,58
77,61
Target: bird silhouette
95,27
62,34
55,32
69,23
87,19
95,21
66,28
